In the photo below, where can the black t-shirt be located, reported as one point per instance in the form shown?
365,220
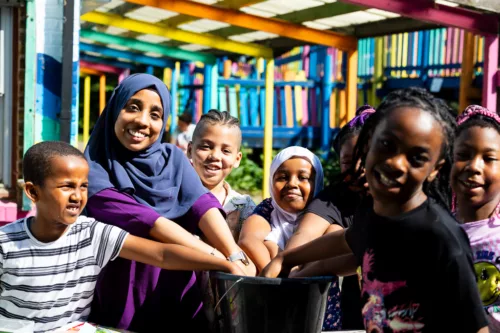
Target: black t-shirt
416,271
337,205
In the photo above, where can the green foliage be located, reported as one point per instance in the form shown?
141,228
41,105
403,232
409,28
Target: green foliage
331,167
247,177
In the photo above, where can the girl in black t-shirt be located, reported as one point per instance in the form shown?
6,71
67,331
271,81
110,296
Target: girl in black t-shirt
414,261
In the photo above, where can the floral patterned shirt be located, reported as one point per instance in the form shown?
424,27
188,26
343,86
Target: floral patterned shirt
238,208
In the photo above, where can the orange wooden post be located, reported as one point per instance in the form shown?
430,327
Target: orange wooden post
467,71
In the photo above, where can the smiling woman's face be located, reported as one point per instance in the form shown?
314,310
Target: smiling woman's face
140,122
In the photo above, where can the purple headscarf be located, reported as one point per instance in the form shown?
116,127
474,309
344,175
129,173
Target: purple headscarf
356,123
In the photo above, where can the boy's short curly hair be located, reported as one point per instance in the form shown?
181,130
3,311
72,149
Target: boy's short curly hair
38,159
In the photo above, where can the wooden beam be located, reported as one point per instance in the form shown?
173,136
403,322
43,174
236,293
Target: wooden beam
388,27
89,71
139,45
100,67
489,5
177,34
241,19
232,4
136,57
309,14
430,12
107,61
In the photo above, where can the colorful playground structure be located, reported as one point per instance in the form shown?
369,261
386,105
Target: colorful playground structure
309,81
292,71
303,95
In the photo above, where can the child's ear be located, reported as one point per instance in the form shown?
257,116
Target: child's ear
435,172
31,191
238,160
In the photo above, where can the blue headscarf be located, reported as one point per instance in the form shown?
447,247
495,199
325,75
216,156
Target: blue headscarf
160,176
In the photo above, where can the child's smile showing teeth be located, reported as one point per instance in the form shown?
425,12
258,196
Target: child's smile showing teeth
73,209
386,180
470,184
212,169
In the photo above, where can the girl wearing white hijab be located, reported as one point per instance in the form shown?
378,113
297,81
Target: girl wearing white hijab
296,177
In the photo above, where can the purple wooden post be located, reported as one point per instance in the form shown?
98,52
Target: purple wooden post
490,72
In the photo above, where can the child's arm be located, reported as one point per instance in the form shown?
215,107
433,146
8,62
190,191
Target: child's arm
330,245
255,230
215,228
310,227
272,247
340,266
173,256
169,232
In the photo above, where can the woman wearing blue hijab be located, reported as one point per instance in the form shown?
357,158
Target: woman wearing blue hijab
149,189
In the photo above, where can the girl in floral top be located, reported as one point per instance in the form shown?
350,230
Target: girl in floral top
214,152
475,179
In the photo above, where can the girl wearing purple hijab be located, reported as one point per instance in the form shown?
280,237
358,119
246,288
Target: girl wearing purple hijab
149,189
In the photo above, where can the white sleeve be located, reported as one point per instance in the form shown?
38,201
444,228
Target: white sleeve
108,241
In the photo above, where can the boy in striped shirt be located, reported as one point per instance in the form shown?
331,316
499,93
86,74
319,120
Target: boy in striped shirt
49,263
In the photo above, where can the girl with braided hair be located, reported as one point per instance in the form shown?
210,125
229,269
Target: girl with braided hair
413,260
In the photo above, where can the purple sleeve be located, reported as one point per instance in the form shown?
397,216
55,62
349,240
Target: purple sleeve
122,210
191,219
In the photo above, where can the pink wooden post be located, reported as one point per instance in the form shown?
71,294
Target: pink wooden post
490,72
123,75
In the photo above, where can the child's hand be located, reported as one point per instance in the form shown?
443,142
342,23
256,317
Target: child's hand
249,270
235,269
274,268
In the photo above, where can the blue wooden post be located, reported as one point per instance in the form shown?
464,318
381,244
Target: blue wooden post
207,83
214,76
325,105
174,104
150,70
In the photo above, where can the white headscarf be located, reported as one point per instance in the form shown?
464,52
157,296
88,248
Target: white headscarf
283,223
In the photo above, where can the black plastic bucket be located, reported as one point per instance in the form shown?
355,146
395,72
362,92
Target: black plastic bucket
238,304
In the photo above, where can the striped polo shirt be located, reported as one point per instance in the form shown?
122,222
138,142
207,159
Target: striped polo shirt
53,283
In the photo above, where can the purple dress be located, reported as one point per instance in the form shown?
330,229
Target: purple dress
138,297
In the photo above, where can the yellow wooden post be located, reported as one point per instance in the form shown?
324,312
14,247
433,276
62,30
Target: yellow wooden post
102,93
378,70
352,83
86,109
268,127
167,77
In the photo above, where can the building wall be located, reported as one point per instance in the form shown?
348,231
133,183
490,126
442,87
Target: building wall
18,97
